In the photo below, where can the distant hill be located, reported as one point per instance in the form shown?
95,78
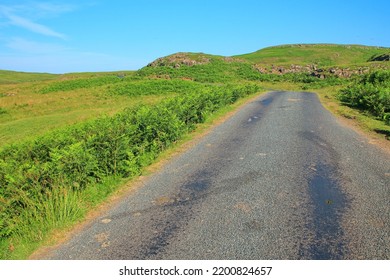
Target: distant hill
8,77
319,54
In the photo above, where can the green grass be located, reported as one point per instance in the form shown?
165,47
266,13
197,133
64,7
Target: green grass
52,212
320,54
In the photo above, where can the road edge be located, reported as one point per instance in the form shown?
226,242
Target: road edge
372,137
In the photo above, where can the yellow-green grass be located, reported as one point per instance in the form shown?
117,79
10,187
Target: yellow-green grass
283,86
27,113
14,77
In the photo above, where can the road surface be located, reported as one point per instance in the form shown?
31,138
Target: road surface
281,179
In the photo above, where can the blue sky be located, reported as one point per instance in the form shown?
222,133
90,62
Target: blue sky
99,35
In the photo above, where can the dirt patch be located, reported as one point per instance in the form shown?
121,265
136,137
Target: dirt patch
103,239
244,207
294,99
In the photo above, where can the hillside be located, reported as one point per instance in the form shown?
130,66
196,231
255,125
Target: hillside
319,54
200,67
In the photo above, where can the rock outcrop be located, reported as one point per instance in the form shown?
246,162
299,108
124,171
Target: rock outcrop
190,59
178,59
312,70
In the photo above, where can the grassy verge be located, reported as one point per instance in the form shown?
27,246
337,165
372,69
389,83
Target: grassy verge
53,214
364,121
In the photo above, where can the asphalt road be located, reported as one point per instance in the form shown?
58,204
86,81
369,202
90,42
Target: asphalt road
281,179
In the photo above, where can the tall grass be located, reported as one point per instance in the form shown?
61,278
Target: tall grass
45,211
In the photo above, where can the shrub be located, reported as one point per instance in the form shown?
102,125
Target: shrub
370,92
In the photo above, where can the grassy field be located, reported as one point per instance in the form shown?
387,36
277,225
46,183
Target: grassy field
28,109
68,141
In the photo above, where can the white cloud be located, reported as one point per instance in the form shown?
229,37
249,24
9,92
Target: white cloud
34,27
37,10
12,16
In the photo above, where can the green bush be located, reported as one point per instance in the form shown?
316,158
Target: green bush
370,92
156,87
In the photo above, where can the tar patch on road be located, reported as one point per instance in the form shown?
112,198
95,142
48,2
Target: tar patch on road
326,239
267,101
329,204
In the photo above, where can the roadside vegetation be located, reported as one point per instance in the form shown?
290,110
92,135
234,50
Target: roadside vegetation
51,180
370,93
68,141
